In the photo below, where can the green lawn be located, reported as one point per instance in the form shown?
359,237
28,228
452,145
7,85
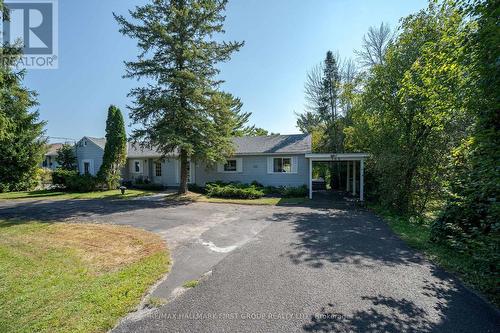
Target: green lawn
470,265
45,194
74,277
261,201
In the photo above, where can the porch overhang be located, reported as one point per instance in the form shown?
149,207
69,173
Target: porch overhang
339,157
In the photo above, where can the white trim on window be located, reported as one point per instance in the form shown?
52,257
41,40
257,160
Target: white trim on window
133,165
91,167
239,166
293,164
158,168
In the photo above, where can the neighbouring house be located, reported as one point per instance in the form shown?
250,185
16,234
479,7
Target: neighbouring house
49,160
274,160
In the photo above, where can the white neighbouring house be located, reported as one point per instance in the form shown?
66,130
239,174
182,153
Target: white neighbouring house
49,160
274,160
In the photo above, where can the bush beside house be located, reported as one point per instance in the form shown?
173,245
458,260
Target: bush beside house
254,190
236,191
71,180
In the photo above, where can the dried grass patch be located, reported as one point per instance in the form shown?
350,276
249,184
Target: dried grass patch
103,248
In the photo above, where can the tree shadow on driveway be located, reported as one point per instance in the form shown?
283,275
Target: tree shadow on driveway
63,210
344,236
394,288
457,309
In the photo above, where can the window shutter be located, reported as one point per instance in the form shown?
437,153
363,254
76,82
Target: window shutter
295,166
178,170
192,172
220,167
239,165
269,165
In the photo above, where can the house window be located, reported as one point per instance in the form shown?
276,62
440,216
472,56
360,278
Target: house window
231,165
86,168
158,169
137,166
282,165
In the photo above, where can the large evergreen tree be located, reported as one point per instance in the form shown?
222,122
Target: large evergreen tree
325,109
180,109
21,143
115,150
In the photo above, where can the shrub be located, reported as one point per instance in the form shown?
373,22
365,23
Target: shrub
239,191
287,191
272,190
256,184
294,192
81,183
72,181
44,177
196,188
59,176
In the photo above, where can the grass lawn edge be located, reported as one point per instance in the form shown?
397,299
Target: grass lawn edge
61,195
118,292
264,201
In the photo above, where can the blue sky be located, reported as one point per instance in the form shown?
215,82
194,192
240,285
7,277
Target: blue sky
283,40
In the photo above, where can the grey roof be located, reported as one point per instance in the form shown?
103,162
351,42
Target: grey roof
53,148
101,142
136,151
273,144
246,145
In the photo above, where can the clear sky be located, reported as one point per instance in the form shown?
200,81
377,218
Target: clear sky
283,40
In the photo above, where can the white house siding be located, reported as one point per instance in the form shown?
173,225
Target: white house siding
147,170
255,168
90,152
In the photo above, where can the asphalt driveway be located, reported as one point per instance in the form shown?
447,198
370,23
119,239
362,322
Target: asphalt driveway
284,269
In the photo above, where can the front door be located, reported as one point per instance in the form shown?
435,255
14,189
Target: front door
158,170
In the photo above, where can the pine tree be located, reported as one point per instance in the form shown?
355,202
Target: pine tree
21,143
115,150
324,114
180,109
66,157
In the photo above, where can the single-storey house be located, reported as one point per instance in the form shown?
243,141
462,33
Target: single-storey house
274,160
49,160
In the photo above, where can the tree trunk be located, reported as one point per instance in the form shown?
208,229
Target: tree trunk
183,186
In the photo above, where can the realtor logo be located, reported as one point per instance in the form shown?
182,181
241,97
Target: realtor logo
32,25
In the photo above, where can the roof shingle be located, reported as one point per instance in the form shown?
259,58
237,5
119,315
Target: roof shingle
246,145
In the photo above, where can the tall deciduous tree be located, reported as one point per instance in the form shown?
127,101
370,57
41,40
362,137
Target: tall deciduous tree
180,109
115,150
375,44
21,143
412,111
474,204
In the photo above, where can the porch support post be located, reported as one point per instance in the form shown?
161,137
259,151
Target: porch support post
362,180
353,177
310,178
348,182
